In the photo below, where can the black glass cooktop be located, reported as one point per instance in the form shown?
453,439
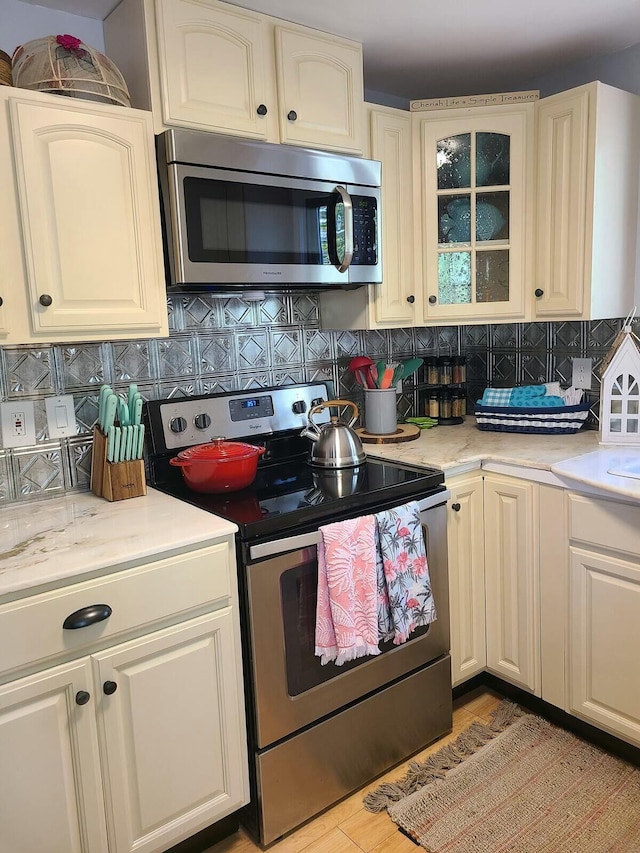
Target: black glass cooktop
294,496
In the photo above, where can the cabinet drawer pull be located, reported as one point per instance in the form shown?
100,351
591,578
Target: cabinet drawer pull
455,507
292,115
87,616
109,688
82,697
262,110
45,300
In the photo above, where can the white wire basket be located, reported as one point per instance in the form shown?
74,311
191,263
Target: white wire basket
64,65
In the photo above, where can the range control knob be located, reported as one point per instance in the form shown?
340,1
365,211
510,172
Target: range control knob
202,421
299,407
177,424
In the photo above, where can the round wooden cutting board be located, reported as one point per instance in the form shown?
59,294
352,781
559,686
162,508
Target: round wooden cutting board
404,432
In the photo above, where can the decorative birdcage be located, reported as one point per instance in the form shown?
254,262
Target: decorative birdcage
620,389
64,65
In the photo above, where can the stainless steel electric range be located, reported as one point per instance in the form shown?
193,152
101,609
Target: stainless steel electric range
316,733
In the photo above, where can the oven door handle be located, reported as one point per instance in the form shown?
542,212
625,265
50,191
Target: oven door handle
308,540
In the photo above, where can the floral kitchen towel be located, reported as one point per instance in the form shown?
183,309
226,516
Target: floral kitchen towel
404,586
347,605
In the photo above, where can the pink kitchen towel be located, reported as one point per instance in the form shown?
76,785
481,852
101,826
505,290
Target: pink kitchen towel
347,605
404,586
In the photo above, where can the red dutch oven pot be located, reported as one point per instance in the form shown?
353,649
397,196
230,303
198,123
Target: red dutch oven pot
219,466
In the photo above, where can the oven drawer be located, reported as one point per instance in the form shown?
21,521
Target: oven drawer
157,592
293,778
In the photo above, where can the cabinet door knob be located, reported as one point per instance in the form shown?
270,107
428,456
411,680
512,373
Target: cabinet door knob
45,300
455,507
87,616
1,301
292,115
109,688
411,299
82,697
538,292
262,110
432,300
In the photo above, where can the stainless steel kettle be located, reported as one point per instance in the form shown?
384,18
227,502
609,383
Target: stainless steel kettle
335,445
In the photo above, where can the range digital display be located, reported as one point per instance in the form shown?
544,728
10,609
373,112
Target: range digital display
251,407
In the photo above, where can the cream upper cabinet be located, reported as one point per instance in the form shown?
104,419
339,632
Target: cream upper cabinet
465,537
215,71
511,580
475,169
588,160
320,89
81,221
213,66
393,303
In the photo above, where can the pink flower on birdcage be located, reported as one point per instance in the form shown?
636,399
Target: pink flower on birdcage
69,48
68,42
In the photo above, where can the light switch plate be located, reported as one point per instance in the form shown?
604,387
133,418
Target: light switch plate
581,377
18,423
61,416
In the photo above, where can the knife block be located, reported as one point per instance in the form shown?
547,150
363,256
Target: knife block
115,481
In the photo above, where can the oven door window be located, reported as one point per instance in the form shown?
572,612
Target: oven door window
231,222
298,590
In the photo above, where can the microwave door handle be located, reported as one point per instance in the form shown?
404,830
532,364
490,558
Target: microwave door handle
348,230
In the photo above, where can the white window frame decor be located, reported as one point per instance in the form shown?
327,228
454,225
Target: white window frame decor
620,390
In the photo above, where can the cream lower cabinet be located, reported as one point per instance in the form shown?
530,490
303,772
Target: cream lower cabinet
604,615
50,784
465,537
82,247
139,744
586,203
511,580
213,66
393,303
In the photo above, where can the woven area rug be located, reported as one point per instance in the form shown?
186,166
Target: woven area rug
520,785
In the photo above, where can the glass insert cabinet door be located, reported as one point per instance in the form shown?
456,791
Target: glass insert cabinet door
475,174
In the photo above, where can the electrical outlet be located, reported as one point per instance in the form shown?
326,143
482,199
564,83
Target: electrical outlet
581,372
61,416
18,423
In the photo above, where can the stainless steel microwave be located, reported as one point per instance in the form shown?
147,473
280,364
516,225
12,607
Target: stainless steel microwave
245,215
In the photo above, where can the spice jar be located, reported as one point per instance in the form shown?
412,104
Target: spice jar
433,405
458,404
445,405
433,375
446,370
459,369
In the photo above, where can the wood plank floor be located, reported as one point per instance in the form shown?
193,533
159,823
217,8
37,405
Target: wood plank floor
347,827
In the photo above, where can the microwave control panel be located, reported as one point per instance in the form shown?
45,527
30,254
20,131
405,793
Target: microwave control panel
365,214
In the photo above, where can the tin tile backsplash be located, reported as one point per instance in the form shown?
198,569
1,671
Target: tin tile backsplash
230,344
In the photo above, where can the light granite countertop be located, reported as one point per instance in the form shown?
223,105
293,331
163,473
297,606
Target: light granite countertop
576,461
463,447
48,542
